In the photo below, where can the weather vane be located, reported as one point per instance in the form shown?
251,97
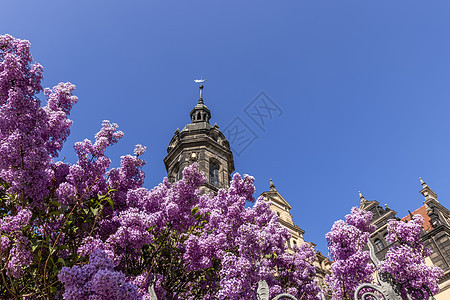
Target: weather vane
201,80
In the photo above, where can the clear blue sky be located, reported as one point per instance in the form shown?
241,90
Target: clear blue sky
363,87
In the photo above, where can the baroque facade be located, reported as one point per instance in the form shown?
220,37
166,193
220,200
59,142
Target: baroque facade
435,232
205,144
282,208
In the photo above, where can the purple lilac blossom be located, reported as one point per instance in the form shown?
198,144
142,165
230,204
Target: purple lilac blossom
351,265
30,135
96,280
405,259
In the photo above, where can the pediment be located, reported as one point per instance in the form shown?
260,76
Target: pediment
276,197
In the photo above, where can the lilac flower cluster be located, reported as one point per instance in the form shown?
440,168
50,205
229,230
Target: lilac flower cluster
88,176
128,177
96,280
20,257
351,265
297,270
30,135
405,259
14,247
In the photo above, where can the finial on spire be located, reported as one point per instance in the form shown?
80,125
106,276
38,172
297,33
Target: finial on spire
201,80
361,197
427,191
272,186
421,181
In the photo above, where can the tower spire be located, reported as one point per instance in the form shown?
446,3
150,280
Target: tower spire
200,113
200,100
201,80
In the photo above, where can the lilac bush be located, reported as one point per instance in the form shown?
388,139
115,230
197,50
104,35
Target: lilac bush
86,231
30,137
351,265
405,259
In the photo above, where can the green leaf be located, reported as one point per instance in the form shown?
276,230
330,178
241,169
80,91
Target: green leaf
61,260
94,211
194,210
50,249
34,245
111,202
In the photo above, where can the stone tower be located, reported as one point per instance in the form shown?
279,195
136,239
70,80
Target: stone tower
203,143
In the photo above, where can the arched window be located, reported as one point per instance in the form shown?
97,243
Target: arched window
378,245
214,173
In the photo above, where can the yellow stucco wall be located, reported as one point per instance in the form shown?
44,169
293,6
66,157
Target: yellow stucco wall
443,295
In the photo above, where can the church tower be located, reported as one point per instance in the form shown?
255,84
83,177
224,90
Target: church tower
203,143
